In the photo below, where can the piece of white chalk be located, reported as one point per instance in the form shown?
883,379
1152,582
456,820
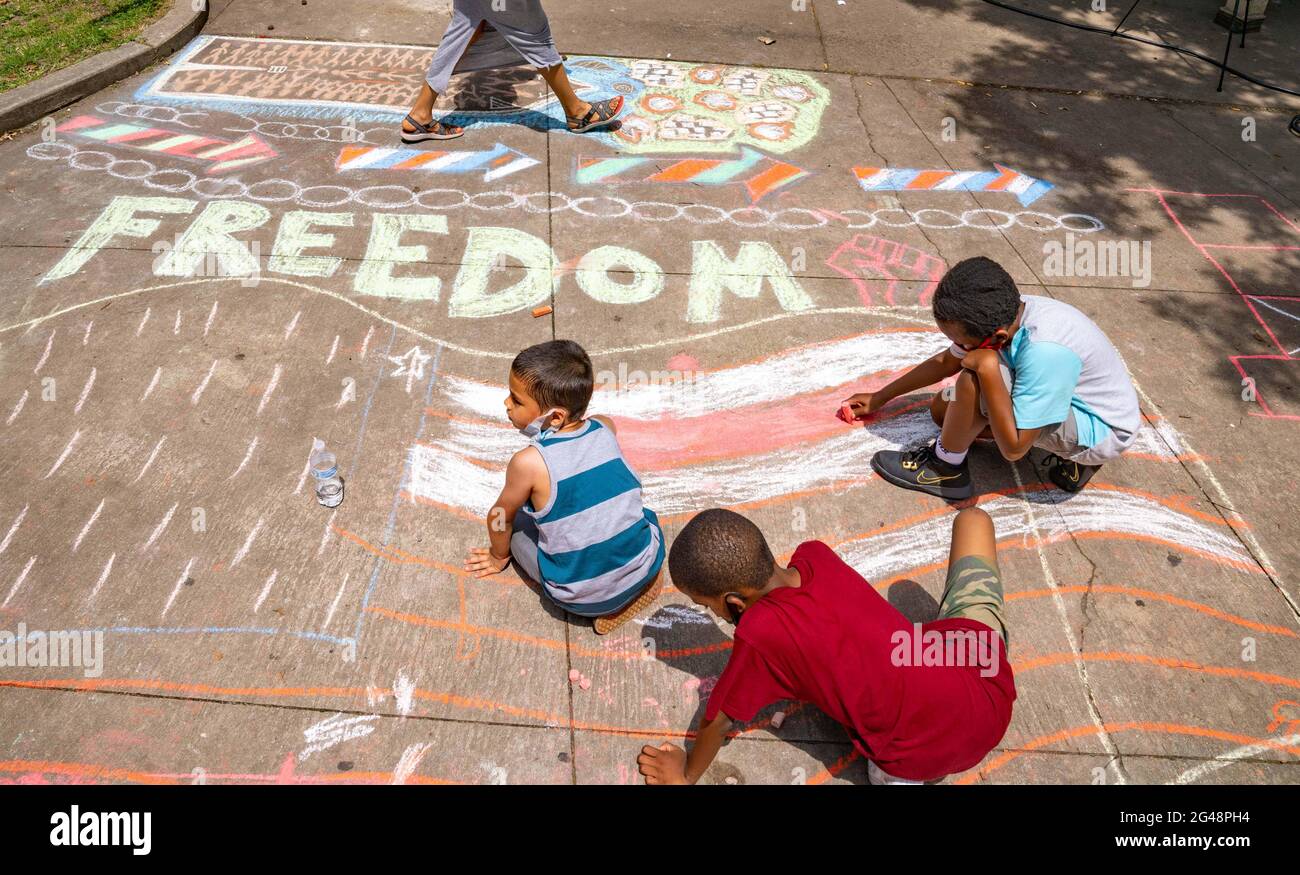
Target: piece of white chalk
777,719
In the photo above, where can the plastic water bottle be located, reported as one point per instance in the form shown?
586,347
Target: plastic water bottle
329,486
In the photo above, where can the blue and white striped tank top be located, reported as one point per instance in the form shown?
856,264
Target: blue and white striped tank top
596,543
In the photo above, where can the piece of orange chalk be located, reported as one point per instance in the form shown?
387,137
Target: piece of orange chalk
543,310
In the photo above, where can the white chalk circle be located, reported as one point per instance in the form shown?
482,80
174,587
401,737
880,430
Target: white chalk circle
51,151
213,188
819,220
593,275
459,199
154,180
365,197
918,216
526,201
969,216
255,194
482,200
1094,224
308,200
766,220
911,220
672,211
80,160
848,213
717,214
621,205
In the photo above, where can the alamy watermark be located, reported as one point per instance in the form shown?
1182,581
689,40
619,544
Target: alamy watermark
59,649
951,647
1099,258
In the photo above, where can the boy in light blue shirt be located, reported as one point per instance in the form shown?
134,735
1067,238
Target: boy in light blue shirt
1033,372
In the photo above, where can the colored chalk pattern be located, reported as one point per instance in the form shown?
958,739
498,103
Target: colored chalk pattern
758,173
1027,189
224,154
497,162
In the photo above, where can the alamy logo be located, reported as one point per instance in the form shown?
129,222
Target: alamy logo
1104,258
953,647
80,649
75,828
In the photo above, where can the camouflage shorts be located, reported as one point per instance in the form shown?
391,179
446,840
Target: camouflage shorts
973,591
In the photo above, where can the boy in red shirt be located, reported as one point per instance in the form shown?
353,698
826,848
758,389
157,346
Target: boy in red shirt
919,701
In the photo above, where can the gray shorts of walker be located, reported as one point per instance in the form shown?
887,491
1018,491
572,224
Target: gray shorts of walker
1063,438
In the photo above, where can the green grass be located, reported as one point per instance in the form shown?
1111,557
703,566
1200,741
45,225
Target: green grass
41,36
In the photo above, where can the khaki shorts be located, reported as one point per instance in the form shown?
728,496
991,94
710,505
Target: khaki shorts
1063,438
973,591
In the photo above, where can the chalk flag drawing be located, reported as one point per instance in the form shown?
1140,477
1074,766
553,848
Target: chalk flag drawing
759,174
673,106
222,155
1276,315
495,163
1027,189
866,257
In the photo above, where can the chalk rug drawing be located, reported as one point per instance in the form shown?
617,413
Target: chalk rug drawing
673,106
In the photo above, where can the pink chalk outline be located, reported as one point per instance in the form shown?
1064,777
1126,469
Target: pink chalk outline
1250,300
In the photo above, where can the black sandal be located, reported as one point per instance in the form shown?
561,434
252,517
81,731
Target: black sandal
602,112
436,129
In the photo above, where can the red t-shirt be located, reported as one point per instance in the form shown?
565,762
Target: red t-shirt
834,641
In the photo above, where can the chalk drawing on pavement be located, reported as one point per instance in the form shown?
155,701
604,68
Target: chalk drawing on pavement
221,155
496,163
674,106
1026,188
756,172
867,259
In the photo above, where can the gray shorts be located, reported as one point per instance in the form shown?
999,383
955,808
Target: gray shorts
1063,438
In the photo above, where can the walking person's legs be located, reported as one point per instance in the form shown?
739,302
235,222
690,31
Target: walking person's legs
419,124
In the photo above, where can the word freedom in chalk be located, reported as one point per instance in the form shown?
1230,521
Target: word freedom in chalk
610,274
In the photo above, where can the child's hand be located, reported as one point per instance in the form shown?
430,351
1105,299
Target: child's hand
665,764
482,562
865,403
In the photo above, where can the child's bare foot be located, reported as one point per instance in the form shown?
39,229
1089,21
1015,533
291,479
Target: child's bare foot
605,625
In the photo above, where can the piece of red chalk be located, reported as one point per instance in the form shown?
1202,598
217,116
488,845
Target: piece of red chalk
585,683
574,675
845,413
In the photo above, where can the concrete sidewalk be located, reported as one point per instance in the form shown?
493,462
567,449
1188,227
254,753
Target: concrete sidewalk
743,265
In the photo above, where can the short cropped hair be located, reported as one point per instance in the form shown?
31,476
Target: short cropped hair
558,374
977,294
719,551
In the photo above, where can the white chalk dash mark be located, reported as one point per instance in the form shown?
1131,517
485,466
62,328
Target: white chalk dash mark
18,408
270,387
85,391
180,581
248,455
18,521
49,344
248,544
86,337
404,692
409,761
266,590
1195,773
334,347
335,604
212,314
176,329
103,576
365,344
198,393
158,529
156,447
293,323
302,478
154,382
19,582
86,528
67,451
333,731
143,320
325,535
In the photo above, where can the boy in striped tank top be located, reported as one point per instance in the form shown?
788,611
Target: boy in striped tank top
570,514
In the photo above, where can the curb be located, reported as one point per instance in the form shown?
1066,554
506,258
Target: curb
35,100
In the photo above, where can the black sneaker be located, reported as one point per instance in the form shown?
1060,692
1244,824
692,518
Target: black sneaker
1067,475
922,470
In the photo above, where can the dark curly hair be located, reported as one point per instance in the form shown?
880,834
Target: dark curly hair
558,374
977,294
720,551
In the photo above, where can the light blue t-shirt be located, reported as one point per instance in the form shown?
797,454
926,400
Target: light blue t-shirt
1062,365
